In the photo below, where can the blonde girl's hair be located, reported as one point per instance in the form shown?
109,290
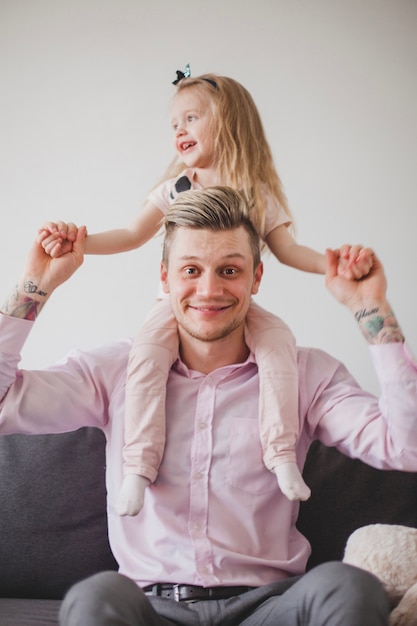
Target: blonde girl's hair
242,153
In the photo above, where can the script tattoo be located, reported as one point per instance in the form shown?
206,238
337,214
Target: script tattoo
365,313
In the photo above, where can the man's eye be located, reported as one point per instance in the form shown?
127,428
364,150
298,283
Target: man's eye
230,271
190,271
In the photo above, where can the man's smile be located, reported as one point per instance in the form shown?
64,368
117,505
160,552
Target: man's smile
207,308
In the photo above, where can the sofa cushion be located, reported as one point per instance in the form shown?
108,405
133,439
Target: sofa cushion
53,525
347,494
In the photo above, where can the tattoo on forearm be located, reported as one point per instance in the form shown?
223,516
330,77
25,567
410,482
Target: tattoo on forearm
25,308
29,287
379,328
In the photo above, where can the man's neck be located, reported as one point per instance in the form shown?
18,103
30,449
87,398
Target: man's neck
207,356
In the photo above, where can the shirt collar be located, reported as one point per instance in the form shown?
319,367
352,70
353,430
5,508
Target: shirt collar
222,372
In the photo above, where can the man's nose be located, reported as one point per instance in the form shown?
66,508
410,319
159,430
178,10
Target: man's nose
209,284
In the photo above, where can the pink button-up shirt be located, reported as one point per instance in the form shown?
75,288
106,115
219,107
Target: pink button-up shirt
215,515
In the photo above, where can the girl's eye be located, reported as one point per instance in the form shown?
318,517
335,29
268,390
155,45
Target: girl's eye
191,118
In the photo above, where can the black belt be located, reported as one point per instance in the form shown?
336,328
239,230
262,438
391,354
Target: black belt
180,593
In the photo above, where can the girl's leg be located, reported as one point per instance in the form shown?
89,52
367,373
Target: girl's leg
273,344
153,353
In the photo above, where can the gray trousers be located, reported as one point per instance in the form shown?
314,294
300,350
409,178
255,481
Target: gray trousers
332,594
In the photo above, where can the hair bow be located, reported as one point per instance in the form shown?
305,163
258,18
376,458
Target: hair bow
181,75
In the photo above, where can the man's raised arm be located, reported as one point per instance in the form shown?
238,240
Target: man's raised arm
367,300
42,275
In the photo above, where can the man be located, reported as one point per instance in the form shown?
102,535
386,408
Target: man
215,542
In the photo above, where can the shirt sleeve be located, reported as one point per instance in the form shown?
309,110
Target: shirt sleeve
73,393
275,216
13,334
382,432
161,196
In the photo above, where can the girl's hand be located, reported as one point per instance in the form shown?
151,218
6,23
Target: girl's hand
57,238
355,262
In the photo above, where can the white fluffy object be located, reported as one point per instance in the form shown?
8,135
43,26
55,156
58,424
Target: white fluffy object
389,552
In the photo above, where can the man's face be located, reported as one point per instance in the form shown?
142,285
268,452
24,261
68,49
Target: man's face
210,278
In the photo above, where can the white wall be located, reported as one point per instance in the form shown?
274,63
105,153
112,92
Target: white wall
84,133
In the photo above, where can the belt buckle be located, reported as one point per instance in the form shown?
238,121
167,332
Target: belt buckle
177,593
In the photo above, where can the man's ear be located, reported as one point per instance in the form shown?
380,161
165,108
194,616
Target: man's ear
257,277
163,273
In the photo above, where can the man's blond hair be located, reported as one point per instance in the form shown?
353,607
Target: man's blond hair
212,208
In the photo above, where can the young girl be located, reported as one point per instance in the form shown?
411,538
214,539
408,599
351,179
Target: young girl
219,140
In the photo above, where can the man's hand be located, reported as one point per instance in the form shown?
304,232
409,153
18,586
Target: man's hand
57,238
355,293
53,271
43,274
366,298
354,262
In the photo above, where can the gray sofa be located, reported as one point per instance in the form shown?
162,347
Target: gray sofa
53,528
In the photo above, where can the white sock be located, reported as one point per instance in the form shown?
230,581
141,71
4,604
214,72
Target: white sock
291,482
132,494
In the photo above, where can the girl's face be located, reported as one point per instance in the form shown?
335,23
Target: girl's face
191,119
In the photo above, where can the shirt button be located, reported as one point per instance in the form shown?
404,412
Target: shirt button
198,475
203,425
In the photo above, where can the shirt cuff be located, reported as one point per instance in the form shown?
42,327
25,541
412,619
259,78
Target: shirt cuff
393,362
